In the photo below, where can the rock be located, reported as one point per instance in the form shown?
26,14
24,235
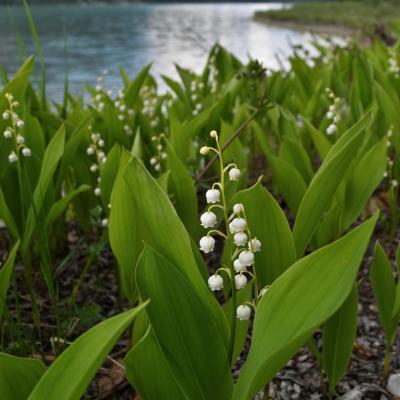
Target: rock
393,385
353,394
303,367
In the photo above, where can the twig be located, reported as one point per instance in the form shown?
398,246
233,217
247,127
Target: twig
238,131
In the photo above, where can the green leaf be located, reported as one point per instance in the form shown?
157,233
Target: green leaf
268,223
366,177
5,275
124,230
339,335
148,371
52,156
162,229
297,303
7,216
68,377
184,328
18,376
59,206
384,286
109,173
133,89
325,183
185,193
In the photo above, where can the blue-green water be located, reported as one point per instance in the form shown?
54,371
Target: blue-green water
131,35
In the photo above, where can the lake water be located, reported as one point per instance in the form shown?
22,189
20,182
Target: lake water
103,37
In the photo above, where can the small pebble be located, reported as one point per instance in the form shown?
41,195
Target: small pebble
393,385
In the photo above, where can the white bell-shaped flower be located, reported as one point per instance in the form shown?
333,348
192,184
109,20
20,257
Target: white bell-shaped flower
243,312
238,266
26,152
246,258
7,134
208,219
215,282
237,225
20,139
6,115
254,245
240,281
240,239
234,174
207,244
90,150
97,191
12,157
331,129
20,123
238,208
213,195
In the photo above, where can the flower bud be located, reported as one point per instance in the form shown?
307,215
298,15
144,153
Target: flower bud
331,129
6,115
153,161
101,143
234,174
238,208
204,150
215,282
26,152
237,225
7,134
212,196
243,312
208,219
104,222
97,191
213,134
238,266
20,139
157,167
240,239
90,150
93,168
20,123
246,258
240,281
164,155
207,244
12,157
254,245
330,115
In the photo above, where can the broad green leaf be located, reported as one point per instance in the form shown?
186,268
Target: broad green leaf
184,328
18,376
109,173
268,223
185,194
52,156
164,231
384,286
339,335
325,183
321,142
68,377
148,371
59,206
364,180
133,89
124,230
5,275
297,303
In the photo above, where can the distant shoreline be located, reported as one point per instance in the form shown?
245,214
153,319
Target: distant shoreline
324,29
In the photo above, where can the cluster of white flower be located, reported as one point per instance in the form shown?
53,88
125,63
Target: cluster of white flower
238,232
149,96
96,150
15,130
125,114
394,67
98,100
196,89
333,113
388,174
161,155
